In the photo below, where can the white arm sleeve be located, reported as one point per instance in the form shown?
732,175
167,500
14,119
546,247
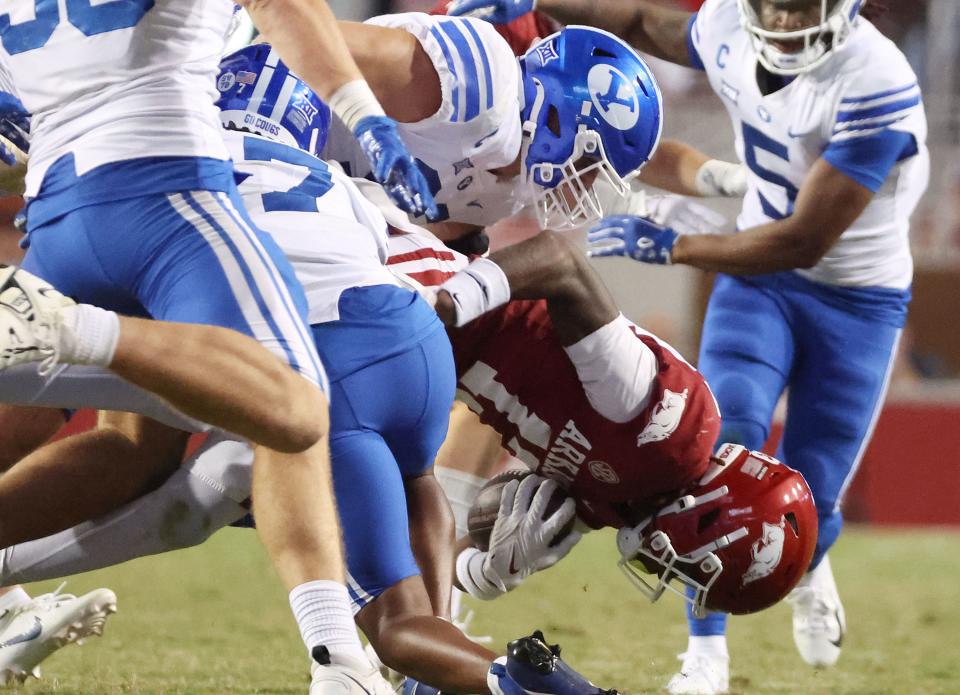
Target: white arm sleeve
188,507
616,369
84,386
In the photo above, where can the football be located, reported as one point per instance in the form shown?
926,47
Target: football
486,506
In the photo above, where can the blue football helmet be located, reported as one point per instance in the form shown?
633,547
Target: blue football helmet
259,94
829,29
591,112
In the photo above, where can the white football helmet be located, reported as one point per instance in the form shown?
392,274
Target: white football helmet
828,34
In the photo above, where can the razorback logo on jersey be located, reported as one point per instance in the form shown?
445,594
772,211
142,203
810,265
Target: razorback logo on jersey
665,417
767,552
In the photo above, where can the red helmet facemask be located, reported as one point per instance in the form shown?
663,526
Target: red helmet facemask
741,539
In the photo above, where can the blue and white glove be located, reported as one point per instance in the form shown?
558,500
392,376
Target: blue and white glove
394,167
632,236
496,11
7,155
15,127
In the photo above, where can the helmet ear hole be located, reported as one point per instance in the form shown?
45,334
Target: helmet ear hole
707,520
553,120
792,520
601,53
643,88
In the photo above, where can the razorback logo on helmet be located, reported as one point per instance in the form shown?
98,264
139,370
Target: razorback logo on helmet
665,417
767,552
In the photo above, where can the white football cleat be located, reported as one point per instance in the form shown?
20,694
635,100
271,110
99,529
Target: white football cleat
346,676
29,319
31,632
701,674
818,620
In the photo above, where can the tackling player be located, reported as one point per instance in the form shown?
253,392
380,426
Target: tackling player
453,85
813,293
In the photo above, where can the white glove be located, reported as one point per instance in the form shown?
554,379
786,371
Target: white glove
520,540
684,215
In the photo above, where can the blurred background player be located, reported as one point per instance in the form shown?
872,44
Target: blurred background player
89,186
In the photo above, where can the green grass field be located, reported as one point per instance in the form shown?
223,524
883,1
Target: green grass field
215,620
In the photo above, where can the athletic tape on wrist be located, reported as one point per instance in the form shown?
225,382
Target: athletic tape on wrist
471,576
353,102
477,289
718,178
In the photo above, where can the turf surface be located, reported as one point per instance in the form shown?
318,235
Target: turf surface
215,620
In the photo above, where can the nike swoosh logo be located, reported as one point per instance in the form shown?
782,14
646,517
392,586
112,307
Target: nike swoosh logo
485,138
794,135
30,634
837,642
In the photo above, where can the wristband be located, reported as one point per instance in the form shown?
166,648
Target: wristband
718,178
471,576
353,102
477,289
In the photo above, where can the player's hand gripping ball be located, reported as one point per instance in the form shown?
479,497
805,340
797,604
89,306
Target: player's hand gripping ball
486,506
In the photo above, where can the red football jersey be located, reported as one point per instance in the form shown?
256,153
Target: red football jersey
514,373
521,32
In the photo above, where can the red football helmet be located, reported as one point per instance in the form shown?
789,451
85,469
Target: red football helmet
741,539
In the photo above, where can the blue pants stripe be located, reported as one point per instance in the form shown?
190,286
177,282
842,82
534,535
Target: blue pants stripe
868,434
239,265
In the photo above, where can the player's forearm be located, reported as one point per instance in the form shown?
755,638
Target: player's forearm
674,168
307,37
396,67
654,29
769,248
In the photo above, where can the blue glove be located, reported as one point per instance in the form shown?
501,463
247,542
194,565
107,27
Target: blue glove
7,156
394,167
636,237
496,11
15,127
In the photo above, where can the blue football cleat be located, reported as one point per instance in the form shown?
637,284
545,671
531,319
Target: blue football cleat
532,667
412,687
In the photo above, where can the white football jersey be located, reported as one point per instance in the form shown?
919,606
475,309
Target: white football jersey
864,89
476,129
112,81
333,236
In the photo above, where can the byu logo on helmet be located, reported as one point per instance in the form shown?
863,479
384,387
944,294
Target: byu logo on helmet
767,552
591,114
612,96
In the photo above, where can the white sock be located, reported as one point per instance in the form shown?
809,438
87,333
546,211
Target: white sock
88,335
13,598
322,610
461,489
714,646
456,604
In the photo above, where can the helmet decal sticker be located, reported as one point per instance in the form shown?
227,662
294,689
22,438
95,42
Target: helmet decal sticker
767,552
